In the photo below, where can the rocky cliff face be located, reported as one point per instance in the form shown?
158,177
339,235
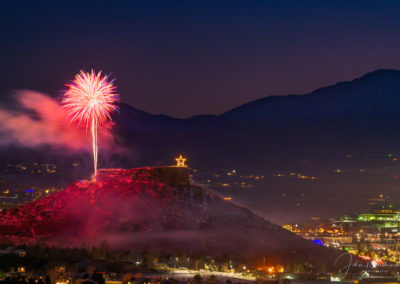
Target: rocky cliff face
152,209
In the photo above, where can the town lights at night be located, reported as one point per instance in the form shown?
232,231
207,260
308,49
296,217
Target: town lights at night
172,142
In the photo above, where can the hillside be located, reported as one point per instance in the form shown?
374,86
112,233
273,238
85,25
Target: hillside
154,209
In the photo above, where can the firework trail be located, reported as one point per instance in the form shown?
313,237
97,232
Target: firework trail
90,101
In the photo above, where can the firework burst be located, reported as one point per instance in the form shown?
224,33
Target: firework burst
90,101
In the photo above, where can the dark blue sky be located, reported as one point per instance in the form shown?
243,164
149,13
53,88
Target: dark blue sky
192,57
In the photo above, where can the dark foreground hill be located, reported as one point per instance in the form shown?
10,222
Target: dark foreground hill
156,209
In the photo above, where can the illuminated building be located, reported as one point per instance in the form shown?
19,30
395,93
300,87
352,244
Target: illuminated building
292,228
385,218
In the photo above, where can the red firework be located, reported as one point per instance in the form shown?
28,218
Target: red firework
90,101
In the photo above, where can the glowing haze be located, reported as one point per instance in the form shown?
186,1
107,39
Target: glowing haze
90,101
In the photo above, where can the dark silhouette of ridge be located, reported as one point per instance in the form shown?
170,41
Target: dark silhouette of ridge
357,116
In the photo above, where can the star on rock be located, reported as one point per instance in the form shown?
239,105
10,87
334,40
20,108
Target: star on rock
180,161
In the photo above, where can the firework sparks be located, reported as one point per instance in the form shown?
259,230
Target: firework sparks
90,101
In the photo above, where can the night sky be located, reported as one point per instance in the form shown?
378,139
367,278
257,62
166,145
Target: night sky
185,58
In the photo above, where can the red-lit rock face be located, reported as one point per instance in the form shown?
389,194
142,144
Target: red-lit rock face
132,210
90,205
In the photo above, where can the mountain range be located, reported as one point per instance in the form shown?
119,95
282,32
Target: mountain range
357,117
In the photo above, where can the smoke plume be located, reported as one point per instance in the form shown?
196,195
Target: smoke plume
42,121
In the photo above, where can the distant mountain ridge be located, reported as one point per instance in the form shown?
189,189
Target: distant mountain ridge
340,98
379,80
361,115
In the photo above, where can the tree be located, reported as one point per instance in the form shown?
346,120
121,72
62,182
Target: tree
212,279
98,278
197,279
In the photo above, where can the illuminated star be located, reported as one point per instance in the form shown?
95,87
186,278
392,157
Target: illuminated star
180,161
